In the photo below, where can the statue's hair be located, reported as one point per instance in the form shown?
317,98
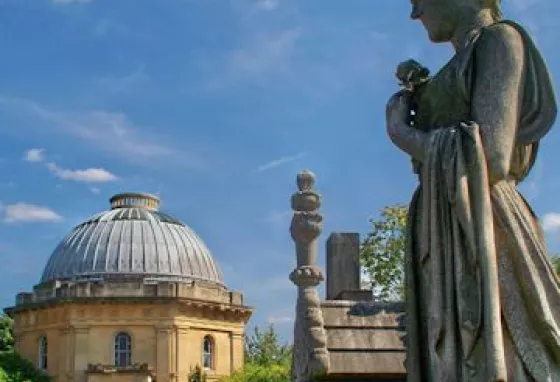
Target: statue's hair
494,6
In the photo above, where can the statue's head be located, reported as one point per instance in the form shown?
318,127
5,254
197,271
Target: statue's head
441,17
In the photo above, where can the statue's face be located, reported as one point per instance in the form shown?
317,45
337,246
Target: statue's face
438,17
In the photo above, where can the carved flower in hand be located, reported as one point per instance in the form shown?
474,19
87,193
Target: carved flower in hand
411,74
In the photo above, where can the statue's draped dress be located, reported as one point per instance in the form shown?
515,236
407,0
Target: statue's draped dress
459,225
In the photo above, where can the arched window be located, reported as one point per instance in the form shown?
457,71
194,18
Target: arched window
42,353
208,352
123,350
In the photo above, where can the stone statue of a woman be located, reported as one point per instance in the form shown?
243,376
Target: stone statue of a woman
483,301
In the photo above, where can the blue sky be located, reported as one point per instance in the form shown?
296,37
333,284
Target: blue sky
215,105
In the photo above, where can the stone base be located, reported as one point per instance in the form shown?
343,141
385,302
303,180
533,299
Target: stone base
355,295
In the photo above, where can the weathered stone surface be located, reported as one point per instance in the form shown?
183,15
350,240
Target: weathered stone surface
362,315
343,263
355,295
365,337
361,362
361,338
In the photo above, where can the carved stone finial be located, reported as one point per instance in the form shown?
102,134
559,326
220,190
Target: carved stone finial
306,227
307,276
307,222
305,180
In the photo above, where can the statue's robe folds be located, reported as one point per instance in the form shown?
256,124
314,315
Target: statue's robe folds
483,300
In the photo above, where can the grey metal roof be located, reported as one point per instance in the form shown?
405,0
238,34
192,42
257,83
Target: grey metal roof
133,239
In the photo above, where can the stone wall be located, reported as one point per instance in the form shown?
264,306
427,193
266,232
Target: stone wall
135,287
165,336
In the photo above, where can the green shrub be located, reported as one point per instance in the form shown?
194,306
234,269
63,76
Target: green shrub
15,368
196,375
259,373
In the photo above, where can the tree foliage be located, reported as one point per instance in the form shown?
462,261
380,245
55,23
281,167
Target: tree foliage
259,373
264,348
266,359
555,259
197,375
382,253
13,367
6,334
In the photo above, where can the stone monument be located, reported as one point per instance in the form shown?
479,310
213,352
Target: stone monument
482,298
310,351
348,336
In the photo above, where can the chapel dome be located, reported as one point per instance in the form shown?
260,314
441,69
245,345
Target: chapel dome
134,239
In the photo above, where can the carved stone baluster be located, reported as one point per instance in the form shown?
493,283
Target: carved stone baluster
310,346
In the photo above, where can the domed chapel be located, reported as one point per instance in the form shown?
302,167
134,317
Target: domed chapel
131,294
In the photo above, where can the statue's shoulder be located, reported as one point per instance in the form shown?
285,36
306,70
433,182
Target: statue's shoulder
503,39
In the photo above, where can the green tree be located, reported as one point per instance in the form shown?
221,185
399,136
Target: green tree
382,253
555,259
197,375
266,360
259,373
13,367
263,348
6,334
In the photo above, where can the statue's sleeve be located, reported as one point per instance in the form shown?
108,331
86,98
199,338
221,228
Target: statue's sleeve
538,106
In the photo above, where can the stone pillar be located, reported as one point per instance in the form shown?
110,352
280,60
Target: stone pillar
182,355
237,347
343,264
70,353
81,352
64,353
165,359
310,344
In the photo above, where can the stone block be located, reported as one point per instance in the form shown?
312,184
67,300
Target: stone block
355,295
343,263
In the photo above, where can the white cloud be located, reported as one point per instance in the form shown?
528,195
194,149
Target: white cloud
89,175
265,54
34,155
279,320
267,5
280,161
551,222
66,2
95,190
92,175
110,132
260,58
28,213
247,9
124,83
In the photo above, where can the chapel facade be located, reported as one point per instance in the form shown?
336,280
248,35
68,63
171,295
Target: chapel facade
131,295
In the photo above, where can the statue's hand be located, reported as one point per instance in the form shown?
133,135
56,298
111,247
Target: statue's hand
398,111
407,138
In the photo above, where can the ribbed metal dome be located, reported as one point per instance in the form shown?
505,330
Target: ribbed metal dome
133,239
